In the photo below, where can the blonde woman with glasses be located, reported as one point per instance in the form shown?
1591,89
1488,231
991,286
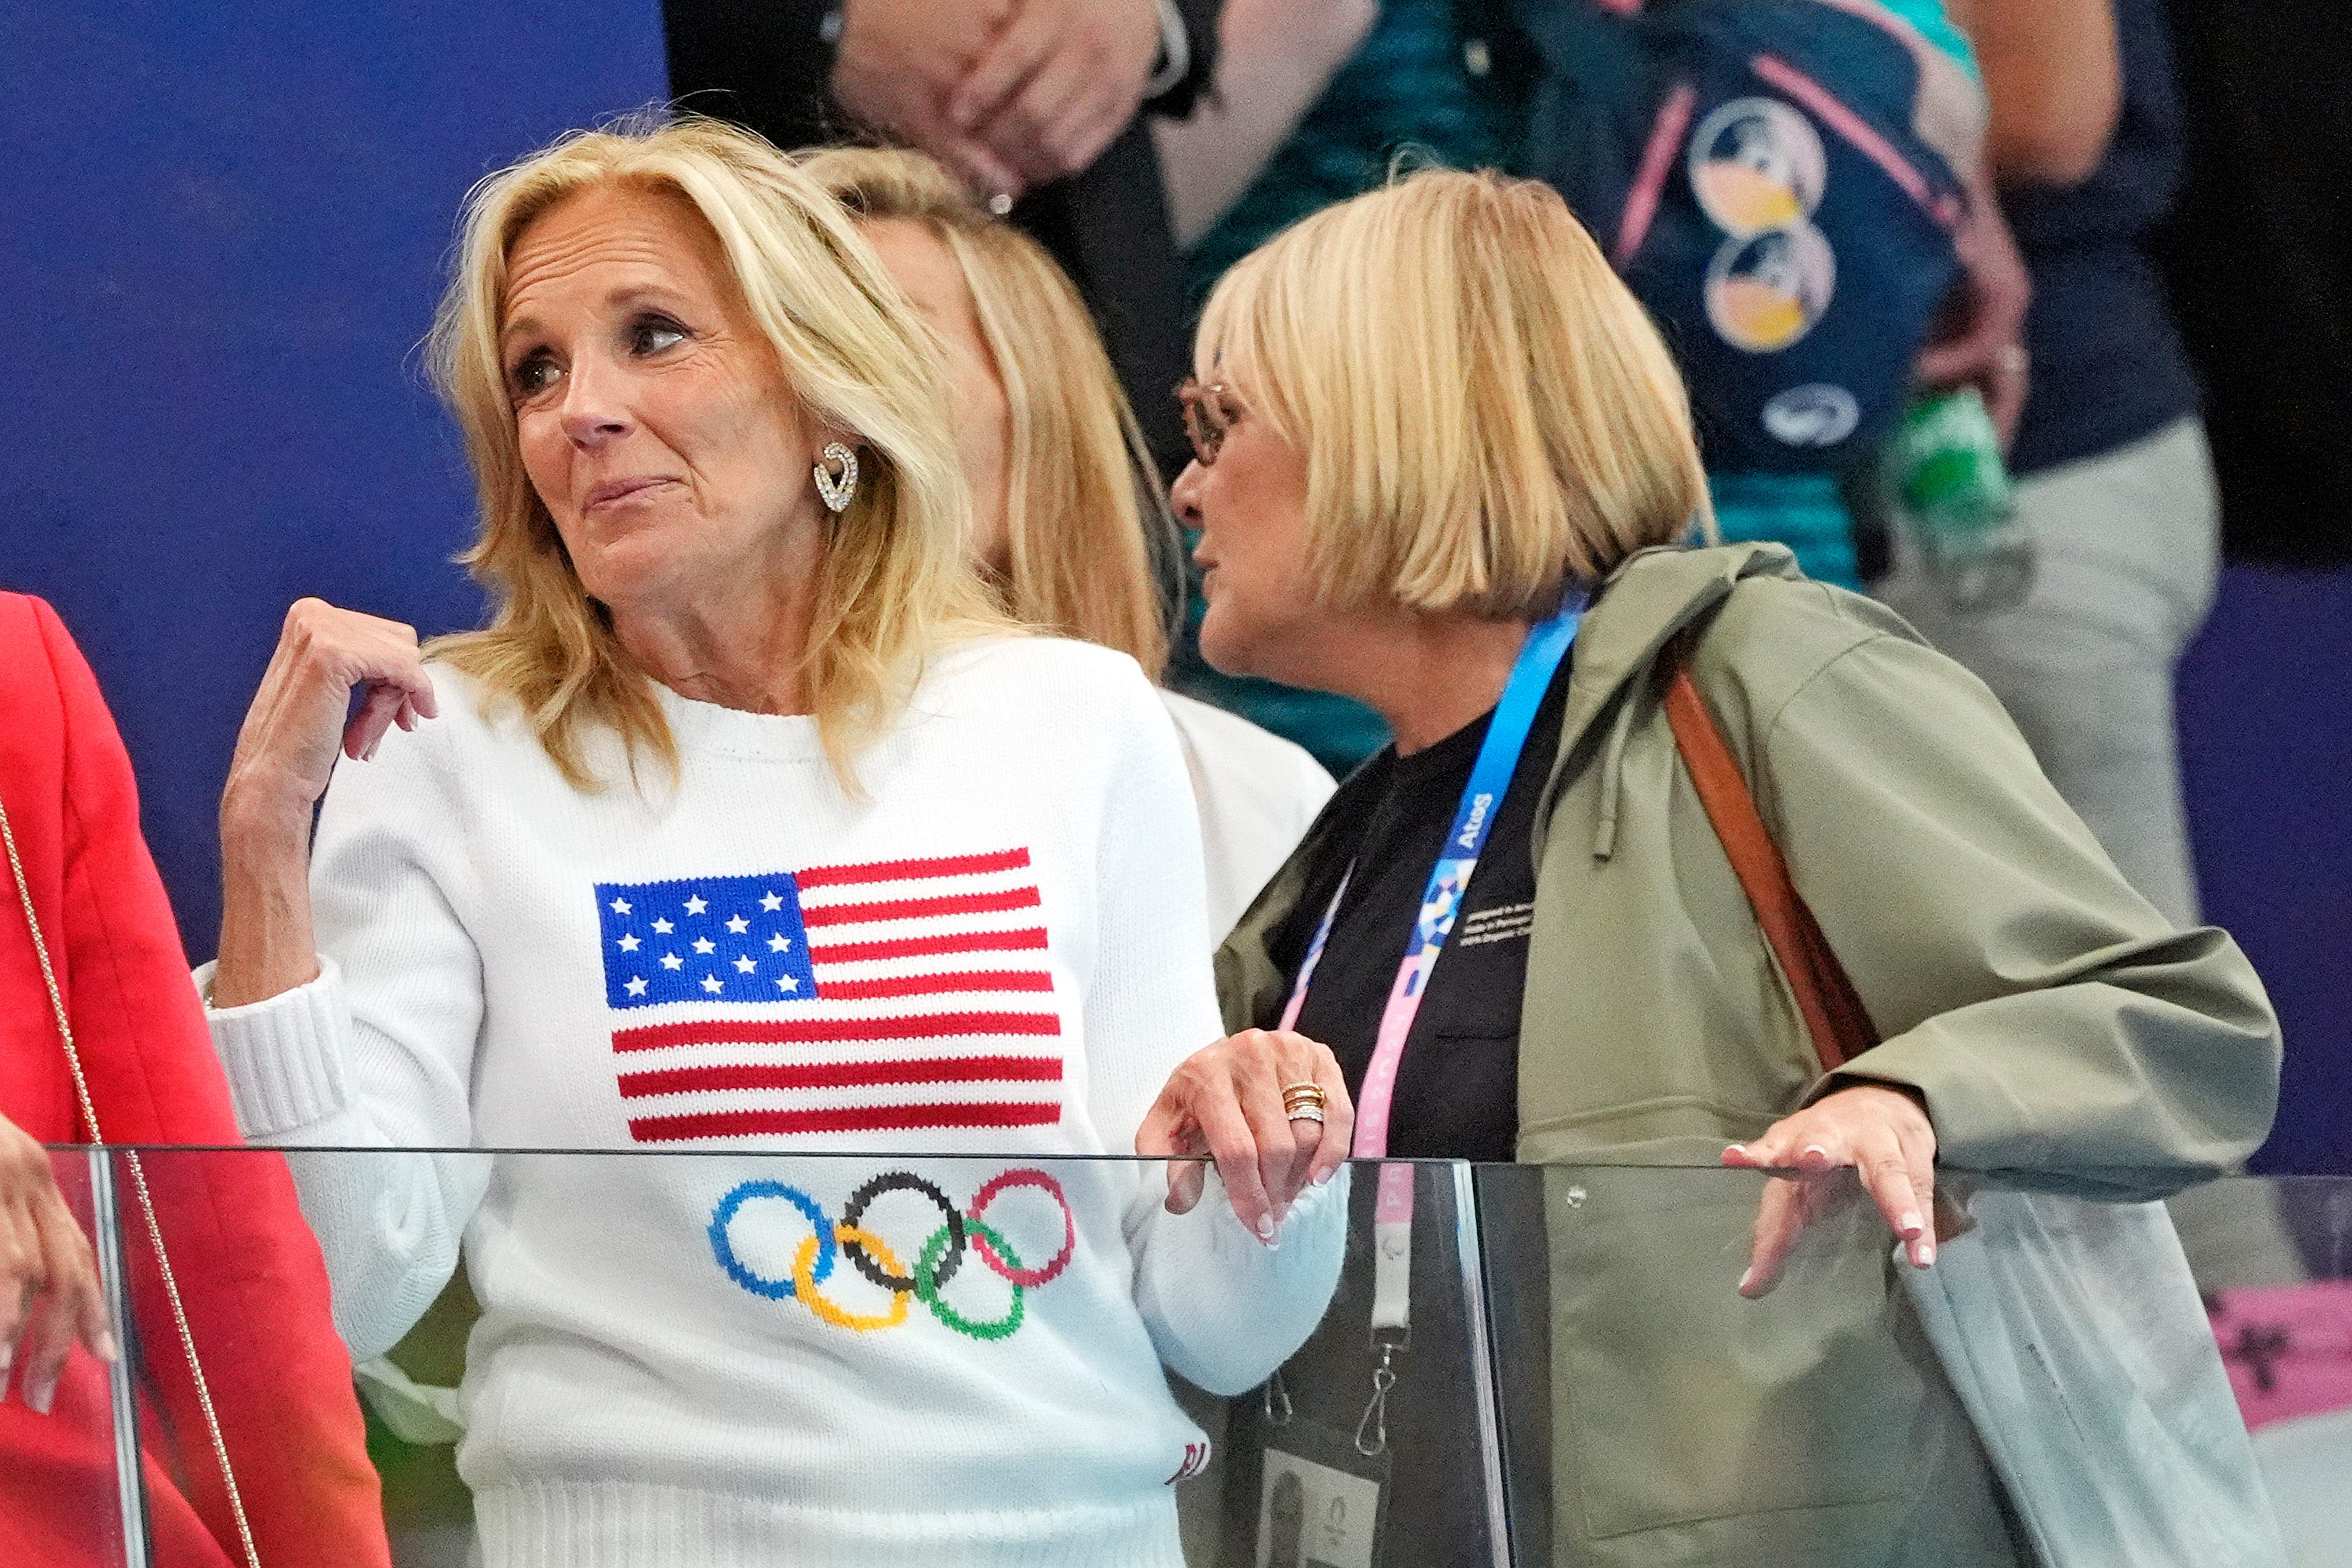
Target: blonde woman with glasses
1069,523
749,823
1444,465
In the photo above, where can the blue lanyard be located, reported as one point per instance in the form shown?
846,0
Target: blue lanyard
1538,660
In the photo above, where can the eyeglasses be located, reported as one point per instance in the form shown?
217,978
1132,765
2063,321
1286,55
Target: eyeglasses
1208,412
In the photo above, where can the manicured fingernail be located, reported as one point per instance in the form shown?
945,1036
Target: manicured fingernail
39,1395
1266,1227
1747,1277
1323,1177
1911,1225
1927,1254
1735,1148
108,1350
1817,1149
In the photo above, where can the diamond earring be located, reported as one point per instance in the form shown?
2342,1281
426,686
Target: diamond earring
837,491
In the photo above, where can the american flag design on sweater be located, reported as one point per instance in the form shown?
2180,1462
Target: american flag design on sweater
892,995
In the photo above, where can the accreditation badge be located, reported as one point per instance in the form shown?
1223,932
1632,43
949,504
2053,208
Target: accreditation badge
1319,1496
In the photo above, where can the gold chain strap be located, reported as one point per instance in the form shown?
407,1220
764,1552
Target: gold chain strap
138,1183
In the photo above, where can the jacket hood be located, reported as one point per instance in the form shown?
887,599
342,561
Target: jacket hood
1639,608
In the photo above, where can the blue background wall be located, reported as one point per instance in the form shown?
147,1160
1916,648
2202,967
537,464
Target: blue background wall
224,226
2266,734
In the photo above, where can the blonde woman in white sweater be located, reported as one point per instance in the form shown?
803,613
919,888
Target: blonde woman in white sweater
1068,517
748,823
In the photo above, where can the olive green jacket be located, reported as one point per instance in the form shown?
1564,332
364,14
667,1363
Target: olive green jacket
2062,1036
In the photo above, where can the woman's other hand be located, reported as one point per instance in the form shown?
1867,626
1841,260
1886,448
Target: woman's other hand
1882,1135
1226,1101
1978,339
285,754
49,1294
286,750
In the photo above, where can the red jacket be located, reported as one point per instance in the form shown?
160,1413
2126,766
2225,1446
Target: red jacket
250,1273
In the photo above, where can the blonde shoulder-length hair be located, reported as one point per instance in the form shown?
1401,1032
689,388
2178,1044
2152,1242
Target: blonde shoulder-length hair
1085,516
895,585
1485,410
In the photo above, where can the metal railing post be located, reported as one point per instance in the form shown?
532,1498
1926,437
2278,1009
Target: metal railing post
114,1279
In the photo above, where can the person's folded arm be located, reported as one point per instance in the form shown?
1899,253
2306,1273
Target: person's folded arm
2057,1029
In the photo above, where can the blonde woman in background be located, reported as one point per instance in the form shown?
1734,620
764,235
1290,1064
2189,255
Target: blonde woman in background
1067,520
742,686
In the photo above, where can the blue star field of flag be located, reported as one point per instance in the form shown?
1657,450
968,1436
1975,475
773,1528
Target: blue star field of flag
705,939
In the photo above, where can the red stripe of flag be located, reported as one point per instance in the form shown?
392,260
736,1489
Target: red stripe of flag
916,909
1032,938
843,1075
934,985
851,1118
911,871
810,1031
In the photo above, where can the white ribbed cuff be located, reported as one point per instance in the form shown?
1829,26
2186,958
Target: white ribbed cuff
1317,1214
1223,1309
284,1056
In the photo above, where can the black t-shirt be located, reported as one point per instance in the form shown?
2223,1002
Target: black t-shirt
1457,1088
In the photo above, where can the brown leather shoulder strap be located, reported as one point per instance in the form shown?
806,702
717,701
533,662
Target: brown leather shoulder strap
1834,1013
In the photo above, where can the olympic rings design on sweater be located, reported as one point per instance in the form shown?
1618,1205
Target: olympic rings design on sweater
935,1260
862,1260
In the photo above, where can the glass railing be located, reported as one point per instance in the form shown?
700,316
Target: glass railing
70,1487
744,1358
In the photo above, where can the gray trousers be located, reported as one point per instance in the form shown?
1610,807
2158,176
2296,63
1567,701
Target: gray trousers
2128,546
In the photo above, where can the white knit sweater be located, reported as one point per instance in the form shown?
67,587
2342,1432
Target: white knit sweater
1259,794
709,1360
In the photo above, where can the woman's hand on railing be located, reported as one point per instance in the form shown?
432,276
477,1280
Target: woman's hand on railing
1226,1101
49,1293
1880,1133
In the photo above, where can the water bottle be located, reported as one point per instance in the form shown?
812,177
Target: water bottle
1943,472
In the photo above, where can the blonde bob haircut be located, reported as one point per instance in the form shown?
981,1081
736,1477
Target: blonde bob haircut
895,585
1085,516
1485,410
